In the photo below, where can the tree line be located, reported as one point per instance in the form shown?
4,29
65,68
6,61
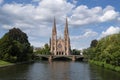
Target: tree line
106,50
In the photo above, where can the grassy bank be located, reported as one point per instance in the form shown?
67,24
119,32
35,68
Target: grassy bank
4,63
105,65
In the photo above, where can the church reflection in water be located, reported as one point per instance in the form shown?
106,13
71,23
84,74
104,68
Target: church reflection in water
60,71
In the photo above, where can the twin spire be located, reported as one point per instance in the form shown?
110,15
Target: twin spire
66,27
64,43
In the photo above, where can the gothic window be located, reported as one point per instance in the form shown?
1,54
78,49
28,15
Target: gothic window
59,46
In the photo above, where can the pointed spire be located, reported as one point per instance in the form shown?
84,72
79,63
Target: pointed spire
54,26
66,27
50,41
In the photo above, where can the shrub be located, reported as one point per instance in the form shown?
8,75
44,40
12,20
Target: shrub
109,66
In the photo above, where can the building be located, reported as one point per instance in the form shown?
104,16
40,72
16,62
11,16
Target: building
36,49
59,46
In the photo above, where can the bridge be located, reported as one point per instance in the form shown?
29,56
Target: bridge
52,57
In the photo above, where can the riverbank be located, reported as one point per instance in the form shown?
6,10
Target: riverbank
4,63
105,65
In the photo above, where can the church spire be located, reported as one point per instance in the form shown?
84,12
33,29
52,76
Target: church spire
66,28
54,27
67,39
54,38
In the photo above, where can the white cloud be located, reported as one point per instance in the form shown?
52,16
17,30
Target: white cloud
37,43
83,15
7,26
109,15
30,14
1,1
88,33
110,30
83,41
37,20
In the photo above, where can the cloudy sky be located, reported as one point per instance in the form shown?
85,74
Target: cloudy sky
88,19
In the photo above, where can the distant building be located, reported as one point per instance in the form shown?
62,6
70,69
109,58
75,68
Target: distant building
59,46
36,49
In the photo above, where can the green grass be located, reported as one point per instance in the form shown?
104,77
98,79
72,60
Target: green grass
4,63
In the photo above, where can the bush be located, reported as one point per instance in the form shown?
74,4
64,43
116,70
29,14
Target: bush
109,66
97,63
105,65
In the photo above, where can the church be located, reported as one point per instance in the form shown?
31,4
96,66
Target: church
59,46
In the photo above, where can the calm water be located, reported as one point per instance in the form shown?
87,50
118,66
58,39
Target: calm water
57,70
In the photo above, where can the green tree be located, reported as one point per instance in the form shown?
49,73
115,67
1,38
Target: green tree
14,46
94,43
107,50
45,50
75,52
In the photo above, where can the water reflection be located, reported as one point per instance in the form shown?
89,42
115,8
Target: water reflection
14,72
57,70
60,70
99,73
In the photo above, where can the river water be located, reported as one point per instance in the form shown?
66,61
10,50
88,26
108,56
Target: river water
57,70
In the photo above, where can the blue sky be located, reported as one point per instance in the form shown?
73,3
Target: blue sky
88,19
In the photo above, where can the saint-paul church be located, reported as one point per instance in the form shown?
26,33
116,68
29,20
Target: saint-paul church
59,46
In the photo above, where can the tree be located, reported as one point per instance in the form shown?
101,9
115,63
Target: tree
106,50
45,50
93,43
75,52
14,45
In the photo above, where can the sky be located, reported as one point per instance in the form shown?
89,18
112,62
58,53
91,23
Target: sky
87,19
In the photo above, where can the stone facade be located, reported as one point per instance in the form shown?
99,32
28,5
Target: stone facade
59,46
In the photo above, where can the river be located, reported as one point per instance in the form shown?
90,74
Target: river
57,70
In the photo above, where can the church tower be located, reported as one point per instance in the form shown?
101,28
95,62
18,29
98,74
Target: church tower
54,38
60,46
67,39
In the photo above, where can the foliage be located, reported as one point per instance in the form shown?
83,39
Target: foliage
94,43
75,52
14,46
89,53
103,64
107,50
117,68
45,50
97,63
